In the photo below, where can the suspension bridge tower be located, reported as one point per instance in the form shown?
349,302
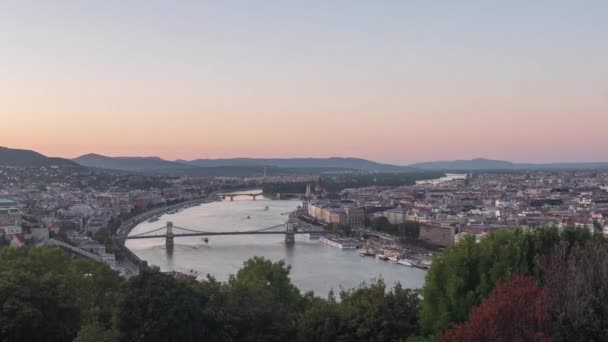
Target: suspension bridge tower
290,235
169,238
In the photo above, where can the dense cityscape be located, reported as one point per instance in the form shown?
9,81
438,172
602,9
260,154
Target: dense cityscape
89,212
303,171
86,207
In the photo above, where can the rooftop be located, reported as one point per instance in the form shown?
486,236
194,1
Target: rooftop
6,202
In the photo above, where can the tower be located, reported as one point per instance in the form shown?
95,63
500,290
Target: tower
290,235
169,238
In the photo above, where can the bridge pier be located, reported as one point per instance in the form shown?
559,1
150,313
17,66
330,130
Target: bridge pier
290,239
169,238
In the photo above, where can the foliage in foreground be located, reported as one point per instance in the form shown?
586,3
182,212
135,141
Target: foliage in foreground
47,296
517,311
553,284
569,267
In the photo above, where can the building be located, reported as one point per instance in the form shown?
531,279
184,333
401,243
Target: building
396,216
438,235
355,216
10,219
5,203
344,213
108,258
337,216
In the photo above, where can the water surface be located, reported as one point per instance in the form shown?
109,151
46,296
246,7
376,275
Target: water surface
315,266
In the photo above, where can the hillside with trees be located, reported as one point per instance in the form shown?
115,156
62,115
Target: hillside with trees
544,285
26,158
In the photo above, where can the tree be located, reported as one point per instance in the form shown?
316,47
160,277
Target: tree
158,307
262,303
46,296
515,312
467,272
576,279
340,228
323,321
381,224
368,313
95,332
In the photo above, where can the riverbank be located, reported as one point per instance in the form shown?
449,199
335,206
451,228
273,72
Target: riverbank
132,262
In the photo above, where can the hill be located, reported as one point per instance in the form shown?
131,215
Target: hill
162,166
489,164
334,163
473,164
139,164
27,158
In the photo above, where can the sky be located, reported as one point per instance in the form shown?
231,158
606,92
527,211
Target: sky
394,81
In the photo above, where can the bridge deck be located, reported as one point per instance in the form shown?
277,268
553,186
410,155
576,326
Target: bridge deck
222,233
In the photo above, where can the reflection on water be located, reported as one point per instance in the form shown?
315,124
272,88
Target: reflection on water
315,266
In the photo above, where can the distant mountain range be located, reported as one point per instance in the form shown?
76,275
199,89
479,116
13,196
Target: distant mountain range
272,166
302,163
27,158
489,164
236,166
137,164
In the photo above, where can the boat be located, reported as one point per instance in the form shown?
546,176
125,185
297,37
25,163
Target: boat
393,258
381,257
424,264
339,242
314,236
367,253
206,240
248,217
412,262
154,219
404,262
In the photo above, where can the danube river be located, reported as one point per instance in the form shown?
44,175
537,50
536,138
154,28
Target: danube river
315,266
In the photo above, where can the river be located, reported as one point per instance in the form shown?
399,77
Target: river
315,266
448,177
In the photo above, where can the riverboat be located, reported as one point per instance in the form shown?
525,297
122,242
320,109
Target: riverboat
314,236
424,264
412,262
340,243
381,257
367,253
405,262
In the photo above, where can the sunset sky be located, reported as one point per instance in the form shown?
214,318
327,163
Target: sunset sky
393,81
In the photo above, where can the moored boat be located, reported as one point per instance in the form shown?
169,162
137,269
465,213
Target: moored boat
367,253
405,262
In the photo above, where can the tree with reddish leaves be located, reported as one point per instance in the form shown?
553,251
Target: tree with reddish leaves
515,312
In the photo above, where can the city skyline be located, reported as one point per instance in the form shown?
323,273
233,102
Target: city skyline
399,83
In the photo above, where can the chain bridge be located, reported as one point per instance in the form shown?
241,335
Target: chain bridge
169,232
